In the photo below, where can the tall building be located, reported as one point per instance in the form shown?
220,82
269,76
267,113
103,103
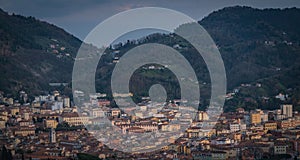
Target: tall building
52,136
264,117
287,110
66,102
255,118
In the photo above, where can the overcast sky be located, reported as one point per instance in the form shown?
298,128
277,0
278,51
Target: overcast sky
79,17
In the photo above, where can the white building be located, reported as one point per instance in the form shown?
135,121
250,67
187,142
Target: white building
234,127
97,112
52,136
280,149
264,117
287,110
66,102
243,127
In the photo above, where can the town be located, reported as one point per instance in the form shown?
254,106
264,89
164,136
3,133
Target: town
50,128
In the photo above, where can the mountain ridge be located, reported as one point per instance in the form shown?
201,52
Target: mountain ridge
257,46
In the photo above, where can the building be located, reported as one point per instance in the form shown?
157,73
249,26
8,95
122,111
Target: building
255,118
14,111
50,123
193,132
237,137
270,126
202,116
74,120
264,117
24,131
287,110
147,127
24,123
222,141
97,112
243,127
3,116
66,102
280,148
115,112
285,124
10,101
135,130
26,116
234,127
52,136
279,117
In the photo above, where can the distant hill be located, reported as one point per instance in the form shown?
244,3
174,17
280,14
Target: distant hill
257,46
255,43
33,54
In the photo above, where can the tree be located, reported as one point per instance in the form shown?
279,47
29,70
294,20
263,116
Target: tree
63,126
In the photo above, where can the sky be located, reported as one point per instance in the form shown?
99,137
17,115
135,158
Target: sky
79,17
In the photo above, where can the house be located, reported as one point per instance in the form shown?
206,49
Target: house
280,148
115,112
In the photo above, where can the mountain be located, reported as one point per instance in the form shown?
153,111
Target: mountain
255,43
33,54
258,46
